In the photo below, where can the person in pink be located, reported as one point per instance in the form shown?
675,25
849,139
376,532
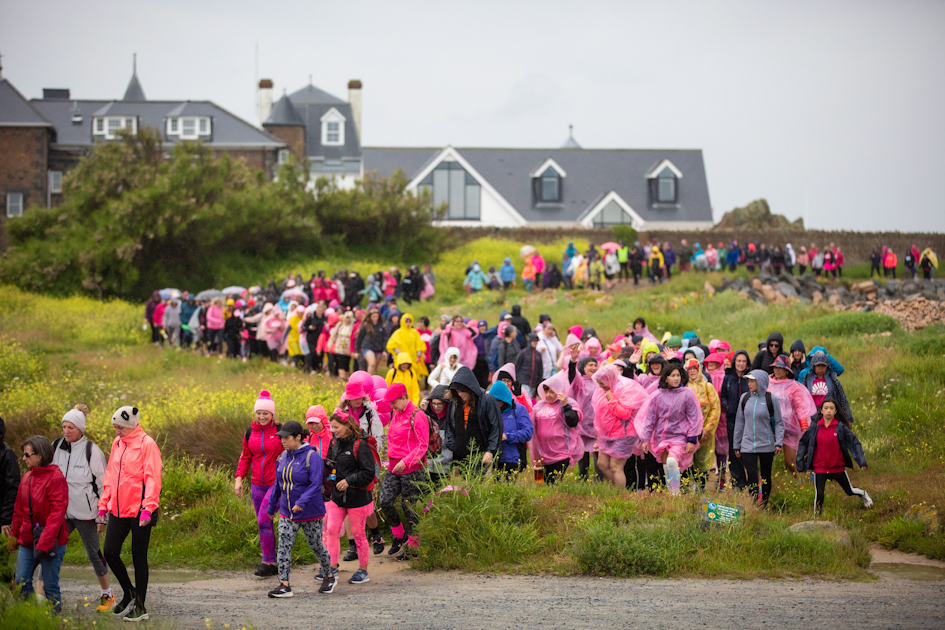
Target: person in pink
572,350
460,336
581,375
616,401
158,318
555,443
797,409
408,439
672,424
593,349
319,430
539,264
275,325
715,367
506,374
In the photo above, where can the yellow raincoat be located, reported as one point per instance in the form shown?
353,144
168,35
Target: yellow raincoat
407,377
704,459
293,338
407,339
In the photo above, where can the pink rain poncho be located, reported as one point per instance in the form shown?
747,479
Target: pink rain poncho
644,332
668,419
522,398
613,419
797,408
565,355
553,440
592,348
721,432
462,340
582,391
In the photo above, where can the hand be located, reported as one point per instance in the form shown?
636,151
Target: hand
562,398
487,458
738,454
400,467
100,528
645,447
355,355
668,353
609,395
238,487
342,485
424,404
296,508
504,437
690,447
575,350
636,356
6,529
862,467
778,450
705,437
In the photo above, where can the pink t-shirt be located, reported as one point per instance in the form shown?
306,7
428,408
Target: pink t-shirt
819,390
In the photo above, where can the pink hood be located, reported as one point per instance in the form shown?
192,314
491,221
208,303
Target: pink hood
614,418
553,440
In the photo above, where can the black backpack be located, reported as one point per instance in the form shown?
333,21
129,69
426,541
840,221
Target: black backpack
768,400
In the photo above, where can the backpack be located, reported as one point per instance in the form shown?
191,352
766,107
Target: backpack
249,432
435,444
308,458
768,401
88,458
372,443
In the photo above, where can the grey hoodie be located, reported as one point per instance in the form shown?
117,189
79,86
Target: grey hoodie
753,433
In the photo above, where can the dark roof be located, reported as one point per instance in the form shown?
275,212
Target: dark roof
311,104
311,95
16,111
284,113
591,174
134,91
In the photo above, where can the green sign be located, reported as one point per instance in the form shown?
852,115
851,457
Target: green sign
714,511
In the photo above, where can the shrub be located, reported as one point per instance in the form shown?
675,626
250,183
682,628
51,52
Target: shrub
840,324
17,366
625,233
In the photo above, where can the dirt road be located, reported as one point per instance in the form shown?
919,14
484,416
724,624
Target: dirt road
397,598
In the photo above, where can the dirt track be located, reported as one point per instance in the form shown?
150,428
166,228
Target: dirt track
407,599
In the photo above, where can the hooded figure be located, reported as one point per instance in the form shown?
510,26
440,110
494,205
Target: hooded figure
475,279
9,478
529,365
671,419
522,324
704,459
582,391
476,424
406,376
827,386
797,406
507,272
798,366
613,415
766,356
835,366
756,429
444,372
517,427
461,338
407,339
556,443
508,371
592,349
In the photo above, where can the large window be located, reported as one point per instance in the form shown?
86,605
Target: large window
449,183
548,186
666,186
189,127
108,126
612,214
333,128
14,204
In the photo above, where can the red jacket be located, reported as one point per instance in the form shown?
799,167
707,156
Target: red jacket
50,498
260,453
133,476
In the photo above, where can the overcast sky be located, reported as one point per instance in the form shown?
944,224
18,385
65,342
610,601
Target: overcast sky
831,109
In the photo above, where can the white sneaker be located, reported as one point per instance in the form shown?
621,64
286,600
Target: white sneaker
867,501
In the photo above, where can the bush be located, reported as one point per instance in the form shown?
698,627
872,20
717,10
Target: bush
17,366
625,233
626,551
840,324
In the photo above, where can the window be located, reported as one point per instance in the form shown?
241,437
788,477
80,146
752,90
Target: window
108,126
283,156
548,186
189,128
666,186
174,125
99,125
204,126
333,128
449,183
333,134
612,214
55,181
14,205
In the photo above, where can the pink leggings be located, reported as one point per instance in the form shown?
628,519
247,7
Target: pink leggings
336,525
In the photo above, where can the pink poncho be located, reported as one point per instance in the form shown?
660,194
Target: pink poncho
667,420
592,348
721,432
553,440
582,390
462,340
796,404
613,419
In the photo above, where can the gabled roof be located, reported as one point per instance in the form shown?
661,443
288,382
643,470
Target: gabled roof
311,95
312,104
16,111
592,173
284,113
134,91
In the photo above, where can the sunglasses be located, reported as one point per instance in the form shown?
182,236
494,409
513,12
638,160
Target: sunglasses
28,455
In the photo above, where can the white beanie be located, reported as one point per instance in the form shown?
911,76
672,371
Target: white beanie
126,417
76,417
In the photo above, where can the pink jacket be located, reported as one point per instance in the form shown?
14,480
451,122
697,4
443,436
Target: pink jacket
671,416
214,317
406,444
462,340
614,418
133,476
158,318
553,440
797,408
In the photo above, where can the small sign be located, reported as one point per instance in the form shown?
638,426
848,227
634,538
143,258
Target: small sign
714,511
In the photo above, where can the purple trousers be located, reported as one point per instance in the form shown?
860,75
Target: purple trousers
267,538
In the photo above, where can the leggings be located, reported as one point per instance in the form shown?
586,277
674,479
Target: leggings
584,467
755,463
555,471
267,537
88,532
115,535
408,488
336,525
820,482
288,530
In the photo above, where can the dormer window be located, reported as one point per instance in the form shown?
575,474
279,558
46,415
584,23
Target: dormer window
333,128
108,126
189,127
546,182
664,182
449,183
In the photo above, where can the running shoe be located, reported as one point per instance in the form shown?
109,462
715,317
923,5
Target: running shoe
328,584
378,542
408,553
360,577
321,576
266,570
139,613
125,605
281,591
867,501
106,604
396,545
351,554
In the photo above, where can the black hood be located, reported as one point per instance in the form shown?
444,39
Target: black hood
775,336
516,311
440,392
747,358
464,379
798,345
3,430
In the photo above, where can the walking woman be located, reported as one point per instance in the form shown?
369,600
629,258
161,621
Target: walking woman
130,501
555,417
734,386
351,463
339,345
517,430
759,434
297,495
408,438
797,409
261,449
371,341
83,465
41,504
616,401
704,459
474,433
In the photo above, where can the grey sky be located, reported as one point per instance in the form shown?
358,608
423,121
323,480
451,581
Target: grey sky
845,100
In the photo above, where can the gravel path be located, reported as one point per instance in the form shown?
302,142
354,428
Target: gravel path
397,598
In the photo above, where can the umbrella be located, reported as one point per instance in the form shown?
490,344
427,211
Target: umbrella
209,294
527,250
610,246
167,293
295,294
234,290
253,290
931,256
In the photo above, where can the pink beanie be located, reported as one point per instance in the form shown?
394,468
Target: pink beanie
265,403
572,339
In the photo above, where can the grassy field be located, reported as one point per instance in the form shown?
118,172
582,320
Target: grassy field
55,352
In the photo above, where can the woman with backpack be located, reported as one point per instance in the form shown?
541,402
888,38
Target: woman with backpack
408,439
261,448
350,466
83,465
297,495
759,434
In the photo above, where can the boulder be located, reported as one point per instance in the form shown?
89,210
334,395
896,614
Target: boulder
834,300
867,286
894,285
787,289
817,297
769,293
825,529
922,513
756,284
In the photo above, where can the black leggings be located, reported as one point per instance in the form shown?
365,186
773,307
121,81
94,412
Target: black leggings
115,536
584,467
820,483
755,463
555,471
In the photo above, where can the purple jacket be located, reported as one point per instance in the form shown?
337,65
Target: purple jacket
673,416
298,484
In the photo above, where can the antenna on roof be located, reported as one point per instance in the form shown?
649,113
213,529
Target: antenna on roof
309,79
134,63
1,65
571,131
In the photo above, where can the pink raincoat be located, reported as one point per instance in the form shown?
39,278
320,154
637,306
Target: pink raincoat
613,419
582,391
522,399
592,348
646,334
721,432
462,340
565,355
797,408
668,419
275,325
553,440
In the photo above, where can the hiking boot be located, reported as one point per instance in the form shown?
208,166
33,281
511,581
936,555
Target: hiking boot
266,570
281,591
360,577
106,604
867,501
328,584
378,542
396,545
125,605
138,613
351,554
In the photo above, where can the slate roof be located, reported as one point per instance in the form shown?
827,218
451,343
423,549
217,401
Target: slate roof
311,104
16,111
591,174
284,114
134,91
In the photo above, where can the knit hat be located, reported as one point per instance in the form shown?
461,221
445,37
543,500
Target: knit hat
395,392
126,417
265,403
316,413
76,417
674,342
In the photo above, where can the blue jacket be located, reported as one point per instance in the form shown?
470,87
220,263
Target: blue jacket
835,366
507,271
516,424
298,485
669,257
734,254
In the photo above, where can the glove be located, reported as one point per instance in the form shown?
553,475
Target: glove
145,518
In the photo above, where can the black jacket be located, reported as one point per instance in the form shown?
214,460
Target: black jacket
764,358
313,326
522,324
357,472
441,392
849,445
488,416
733,387
528,368
9,478
376,343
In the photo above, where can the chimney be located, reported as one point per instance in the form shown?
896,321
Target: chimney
265,100
354,99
